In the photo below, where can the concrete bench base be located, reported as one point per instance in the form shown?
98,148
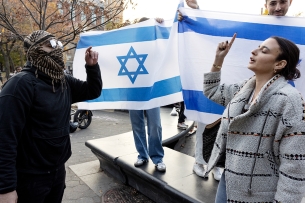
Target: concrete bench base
117,155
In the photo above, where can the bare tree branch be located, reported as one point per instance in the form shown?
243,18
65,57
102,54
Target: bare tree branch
66,19
29,11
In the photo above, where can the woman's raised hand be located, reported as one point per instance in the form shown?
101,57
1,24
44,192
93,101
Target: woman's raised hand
224,47
221,52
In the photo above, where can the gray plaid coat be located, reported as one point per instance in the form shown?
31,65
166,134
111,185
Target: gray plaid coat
265,146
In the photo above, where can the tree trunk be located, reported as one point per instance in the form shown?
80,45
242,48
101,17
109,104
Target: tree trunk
21,58
11,64
6,66
6,57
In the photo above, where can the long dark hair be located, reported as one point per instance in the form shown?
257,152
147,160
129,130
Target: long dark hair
291,53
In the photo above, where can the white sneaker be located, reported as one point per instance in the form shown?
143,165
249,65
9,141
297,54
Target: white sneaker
199,170
217,172
174,112
182,126
192,131
161,167
140,162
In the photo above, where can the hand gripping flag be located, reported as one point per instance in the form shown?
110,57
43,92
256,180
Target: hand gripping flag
139,66
199,35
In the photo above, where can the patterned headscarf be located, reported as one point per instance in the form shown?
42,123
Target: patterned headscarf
50,63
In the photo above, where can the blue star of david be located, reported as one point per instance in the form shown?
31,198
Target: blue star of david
132,74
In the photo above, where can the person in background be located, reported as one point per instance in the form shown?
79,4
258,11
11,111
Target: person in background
277,7
181,119
18,70
1,79
175,111
70,70
178,110
154,150
198,166
34,134
67,71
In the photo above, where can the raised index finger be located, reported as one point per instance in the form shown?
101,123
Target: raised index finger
232,40
88,49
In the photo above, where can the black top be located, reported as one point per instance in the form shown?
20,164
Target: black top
34,121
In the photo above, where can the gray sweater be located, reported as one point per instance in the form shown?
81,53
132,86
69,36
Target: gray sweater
265,147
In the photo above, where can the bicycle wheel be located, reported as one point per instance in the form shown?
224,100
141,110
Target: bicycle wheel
83,117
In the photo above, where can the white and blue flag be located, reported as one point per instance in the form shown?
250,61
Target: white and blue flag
139,66
199,35
147,65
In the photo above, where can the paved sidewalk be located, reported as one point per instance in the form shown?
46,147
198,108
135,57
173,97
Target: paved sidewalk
104,124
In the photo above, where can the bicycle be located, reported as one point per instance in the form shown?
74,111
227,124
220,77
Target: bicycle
81,119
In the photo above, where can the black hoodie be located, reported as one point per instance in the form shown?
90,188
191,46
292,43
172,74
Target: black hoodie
34,121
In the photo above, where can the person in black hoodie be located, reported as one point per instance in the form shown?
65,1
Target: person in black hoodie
35,112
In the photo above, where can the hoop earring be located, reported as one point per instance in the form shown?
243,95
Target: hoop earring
274,70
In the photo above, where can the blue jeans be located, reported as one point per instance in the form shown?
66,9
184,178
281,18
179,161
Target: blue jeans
221,194
154,150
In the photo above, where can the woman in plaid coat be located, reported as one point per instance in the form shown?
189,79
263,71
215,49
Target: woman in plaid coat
262,133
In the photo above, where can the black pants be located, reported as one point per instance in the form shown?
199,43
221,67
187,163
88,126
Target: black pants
41,188
182,117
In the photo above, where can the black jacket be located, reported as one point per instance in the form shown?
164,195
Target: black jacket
34,122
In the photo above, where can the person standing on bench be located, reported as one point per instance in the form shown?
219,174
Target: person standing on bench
201,158
154,150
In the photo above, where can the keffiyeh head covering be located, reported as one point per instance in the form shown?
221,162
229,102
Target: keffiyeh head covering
51,63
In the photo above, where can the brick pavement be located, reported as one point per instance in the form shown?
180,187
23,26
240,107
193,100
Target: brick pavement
104,124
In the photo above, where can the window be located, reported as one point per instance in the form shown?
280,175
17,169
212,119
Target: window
59,6
73,12
83,16
93,18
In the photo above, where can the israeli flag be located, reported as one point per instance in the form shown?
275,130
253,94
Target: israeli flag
139,66
199,35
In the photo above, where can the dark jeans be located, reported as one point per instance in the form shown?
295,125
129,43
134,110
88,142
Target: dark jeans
41,188
182,117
